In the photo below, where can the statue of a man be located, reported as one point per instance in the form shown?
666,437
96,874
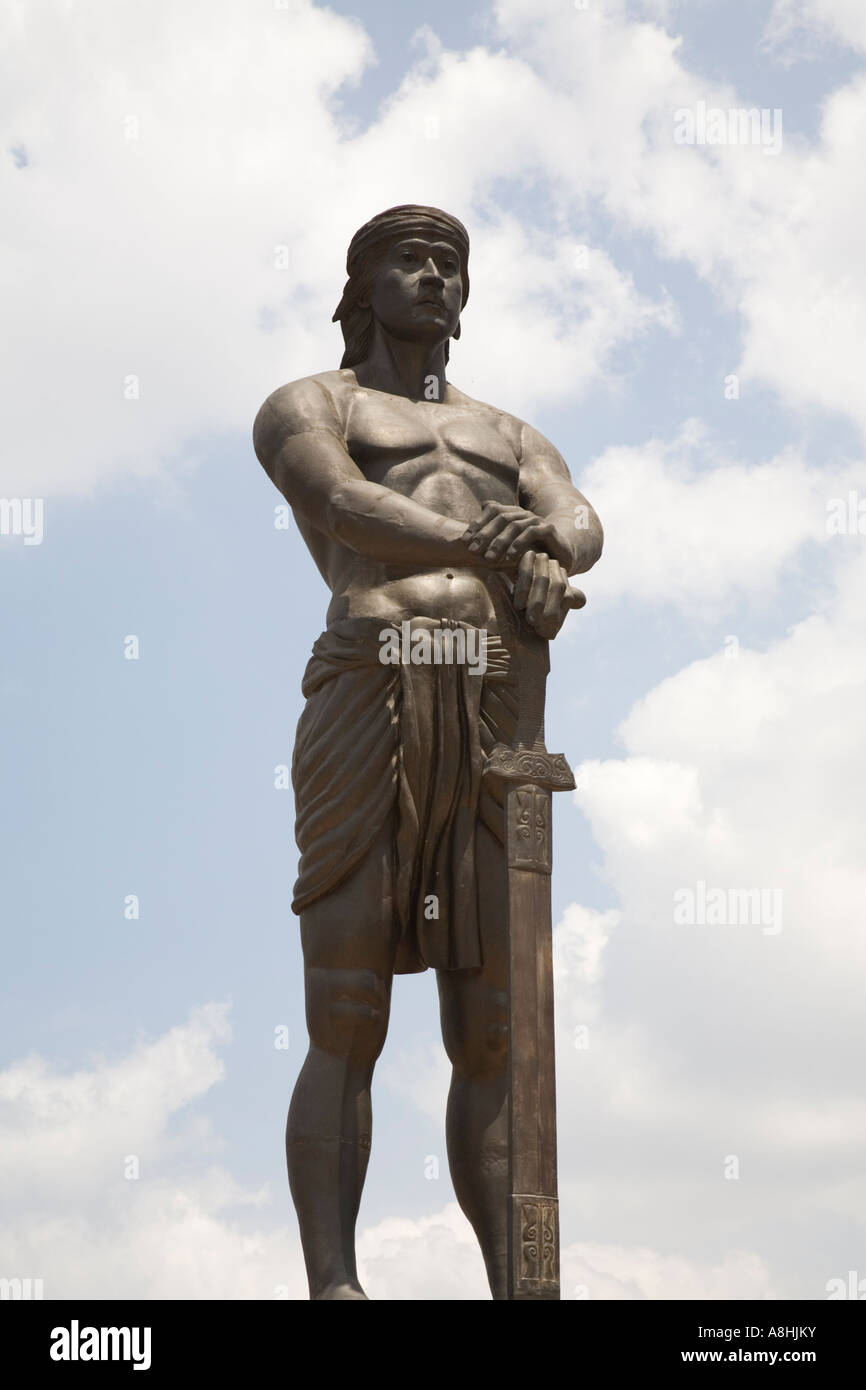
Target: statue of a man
426,512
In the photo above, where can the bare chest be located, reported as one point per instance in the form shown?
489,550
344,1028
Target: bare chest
443,455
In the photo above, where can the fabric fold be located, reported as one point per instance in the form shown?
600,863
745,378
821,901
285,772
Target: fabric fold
412,738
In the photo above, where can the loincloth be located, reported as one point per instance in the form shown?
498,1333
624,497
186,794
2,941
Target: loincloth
374,739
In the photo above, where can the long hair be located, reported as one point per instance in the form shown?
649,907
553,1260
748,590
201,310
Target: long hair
356,320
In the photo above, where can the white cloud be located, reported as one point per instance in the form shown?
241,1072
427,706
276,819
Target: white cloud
553,303
432,1257
684,526
72,1218
422,1074
166,164
705,1041
579,943
616,1272
775,236
842,19
154,257
437,1257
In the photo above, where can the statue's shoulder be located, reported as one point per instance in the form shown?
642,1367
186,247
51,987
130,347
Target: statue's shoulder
507,425
311,395
314,402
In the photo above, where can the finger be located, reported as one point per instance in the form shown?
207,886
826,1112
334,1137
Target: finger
538,588
553,604
531,534
546,538
505,539
524,580
486,511
489,510
486,533
549,627
528,532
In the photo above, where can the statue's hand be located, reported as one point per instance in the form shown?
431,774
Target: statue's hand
542,592
504,534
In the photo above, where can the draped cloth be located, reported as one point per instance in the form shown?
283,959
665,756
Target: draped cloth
412,739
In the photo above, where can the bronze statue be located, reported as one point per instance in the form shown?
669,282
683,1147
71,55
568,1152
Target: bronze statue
446,531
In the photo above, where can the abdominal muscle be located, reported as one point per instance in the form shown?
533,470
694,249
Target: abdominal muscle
463,595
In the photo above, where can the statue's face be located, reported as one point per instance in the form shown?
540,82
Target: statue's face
418,290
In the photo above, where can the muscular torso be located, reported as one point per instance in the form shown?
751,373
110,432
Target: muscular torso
452,456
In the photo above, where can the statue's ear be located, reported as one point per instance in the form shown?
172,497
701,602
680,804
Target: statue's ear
456,333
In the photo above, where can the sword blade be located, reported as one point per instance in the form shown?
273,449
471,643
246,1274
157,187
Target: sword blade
533,1235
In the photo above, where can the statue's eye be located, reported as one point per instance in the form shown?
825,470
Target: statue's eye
408,256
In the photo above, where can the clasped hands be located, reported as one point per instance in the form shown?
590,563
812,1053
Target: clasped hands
510,538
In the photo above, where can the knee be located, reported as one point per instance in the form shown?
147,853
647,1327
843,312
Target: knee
347,1012
475,1029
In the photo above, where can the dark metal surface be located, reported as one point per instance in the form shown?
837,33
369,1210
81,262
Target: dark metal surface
424,507
531,774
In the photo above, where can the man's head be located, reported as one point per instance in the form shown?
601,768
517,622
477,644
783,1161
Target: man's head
408,267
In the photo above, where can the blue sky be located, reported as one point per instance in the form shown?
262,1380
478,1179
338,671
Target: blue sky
153,256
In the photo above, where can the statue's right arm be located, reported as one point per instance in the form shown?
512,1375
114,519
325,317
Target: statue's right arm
298,440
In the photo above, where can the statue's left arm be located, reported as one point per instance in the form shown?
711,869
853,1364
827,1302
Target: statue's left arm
551,516
552,531
547,491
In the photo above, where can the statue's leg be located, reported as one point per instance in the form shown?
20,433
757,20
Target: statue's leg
474,1010
349,947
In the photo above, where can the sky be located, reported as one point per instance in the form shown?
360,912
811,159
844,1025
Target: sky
683,317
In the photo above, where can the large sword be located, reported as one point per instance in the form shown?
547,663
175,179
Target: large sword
529,774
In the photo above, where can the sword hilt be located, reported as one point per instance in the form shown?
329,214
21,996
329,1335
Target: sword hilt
528,760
